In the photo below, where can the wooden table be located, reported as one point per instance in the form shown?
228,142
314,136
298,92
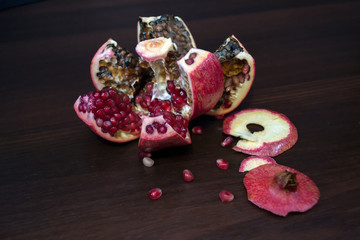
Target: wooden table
58,180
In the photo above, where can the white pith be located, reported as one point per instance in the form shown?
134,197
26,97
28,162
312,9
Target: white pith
275,129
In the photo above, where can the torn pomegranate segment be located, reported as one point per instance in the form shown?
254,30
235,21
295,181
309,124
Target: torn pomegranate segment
238,67
278,135
280,189
109,114
253,162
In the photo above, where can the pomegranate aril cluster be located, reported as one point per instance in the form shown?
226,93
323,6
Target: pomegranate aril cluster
112,111
178,96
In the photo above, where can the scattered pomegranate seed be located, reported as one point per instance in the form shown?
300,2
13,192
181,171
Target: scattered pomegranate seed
155,193
197,130
222,164
148,162
188,175
227,141
226,196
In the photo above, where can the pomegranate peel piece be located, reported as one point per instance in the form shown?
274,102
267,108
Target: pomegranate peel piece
254,161
280,189
279,133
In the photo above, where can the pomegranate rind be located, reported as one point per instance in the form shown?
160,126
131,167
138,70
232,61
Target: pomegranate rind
241,92
89,119
279,133
102,52
262,191
253,162
154,142
205,79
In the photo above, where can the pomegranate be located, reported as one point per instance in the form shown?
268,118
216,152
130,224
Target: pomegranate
238,67
168,26
153,97
280,189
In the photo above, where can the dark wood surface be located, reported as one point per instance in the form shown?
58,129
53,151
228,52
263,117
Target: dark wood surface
58,180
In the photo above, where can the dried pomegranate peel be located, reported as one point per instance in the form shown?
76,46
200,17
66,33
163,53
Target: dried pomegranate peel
278,135
280,189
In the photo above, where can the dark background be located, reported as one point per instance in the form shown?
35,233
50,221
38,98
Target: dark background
58,180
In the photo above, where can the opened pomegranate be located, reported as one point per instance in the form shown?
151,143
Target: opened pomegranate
154,97
238,67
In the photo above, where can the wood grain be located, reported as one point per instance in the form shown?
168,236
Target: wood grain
60,181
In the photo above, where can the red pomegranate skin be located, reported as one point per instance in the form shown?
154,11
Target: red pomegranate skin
264,193
205,95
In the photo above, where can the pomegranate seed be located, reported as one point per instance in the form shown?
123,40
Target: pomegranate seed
220,117
226,196
188,175
126,99
189,61
222,164
148,162
149,129
107,125
149,86
155,193
110,103
227,141
170,86
162,129
197,130
138,99
193,55
113,130
246,69
227,104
